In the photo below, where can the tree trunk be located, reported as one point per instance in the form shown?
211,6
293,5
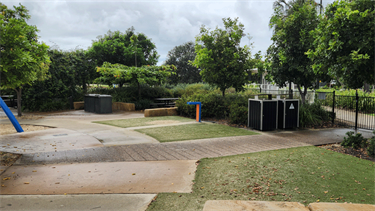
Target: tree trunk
19,93
139,91
303,94
290,90
366,87
84,86
223,91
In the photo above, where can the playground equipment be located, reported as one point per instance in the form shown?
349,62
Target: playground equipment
11,117
198,106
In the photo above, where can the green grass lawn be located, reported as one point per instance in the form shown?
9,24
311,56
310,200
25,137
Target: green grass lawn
147,121
193,131
304,174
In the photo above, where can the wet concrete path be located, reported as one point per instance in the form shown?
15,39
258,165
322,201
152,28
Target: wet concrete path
190,150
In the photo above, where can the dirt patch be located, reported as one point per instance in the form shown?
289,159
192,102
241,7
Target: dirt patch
359,153
32,117
163,122
9,128
7,159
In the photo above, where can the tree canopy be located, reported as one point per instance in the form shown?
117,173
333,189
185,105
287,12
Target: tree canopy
180,56
151,75
127,48
223,62
344,42
23,59
291,23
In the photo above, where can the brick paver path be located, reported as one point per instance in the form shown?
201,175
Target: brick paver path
183,150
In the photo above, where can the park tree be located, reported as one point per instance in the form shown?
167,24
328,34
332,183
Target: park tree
344,43
83,67
291,23
24,60
223,62
150,75
129,49
180,56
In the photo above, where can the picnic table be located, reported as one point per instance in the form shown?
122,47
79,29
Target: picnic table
8,98
164,102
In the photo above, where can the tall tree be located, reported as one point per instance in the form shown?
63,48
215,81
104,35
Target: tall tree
180,56
127,48
23,59
150,75
291,24
344,43
84,68
223,62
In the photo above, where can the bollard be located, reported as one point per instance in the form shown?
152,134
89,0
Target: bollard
198,111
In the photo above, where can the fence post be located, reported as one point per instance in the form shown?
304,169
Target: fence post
356,110
333,108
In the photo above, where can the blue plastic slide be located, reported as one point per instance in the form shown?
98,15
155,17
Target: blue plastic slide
10,116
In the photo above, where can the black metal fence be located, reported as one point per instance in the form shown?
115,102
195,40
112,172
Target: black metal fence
310,95
352,111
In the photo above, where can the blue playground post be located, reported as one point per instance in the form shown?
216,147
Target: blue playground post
198,110
10,116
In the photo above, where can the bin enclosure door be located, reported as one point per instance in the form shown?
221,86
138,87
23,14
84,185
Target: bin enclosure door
291,119
254,118
269,115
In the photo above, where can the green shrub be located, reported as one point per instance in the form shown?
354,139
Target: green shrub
212,105
238,114
313,114
371,146
357,141
130,94
142,104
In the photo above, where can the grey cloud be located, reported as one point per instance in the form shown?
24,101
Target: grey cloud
167,23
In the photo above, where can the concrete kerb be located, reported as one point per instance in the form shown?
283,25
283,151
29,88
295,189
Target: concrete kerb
237,205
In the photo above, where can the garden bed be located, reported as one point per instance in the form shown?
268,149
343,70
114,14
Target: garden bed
359,153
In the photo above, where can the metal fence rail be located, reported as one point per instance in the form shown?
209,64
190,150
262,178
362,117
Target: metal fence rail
352,111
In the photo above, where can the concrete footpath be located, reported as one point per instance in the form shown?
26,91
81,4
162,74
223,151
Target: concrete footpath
126,168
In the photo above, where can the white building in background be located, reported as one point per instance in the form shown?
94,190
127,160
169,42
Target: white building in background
269,86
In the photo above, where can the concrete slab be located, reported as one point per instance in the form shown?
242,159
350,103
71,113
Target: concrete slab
317,136
109,135
104,202
49,140
340,207
109,177
234,205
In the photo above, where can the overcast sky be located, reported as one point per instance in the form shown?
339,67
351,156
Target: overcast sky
76,23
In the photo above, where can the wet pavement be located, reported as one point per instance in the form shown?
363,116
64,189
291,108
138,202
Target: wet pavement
182,150
49,140
113,177
81,202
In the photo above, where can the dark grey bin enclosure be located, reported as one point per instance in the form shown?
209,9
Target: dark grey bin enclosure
100,104
322,95
288,111
262,114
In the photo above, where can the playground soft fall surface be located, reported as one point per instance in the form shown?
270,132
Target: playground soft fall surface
9,128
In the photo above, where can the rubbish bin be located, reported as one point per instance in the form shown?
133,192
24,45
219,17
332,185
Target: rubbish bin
100,104
288,111
322,95
262,113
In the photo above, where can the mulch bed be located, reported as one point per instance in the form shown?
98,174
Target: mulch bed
359,153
